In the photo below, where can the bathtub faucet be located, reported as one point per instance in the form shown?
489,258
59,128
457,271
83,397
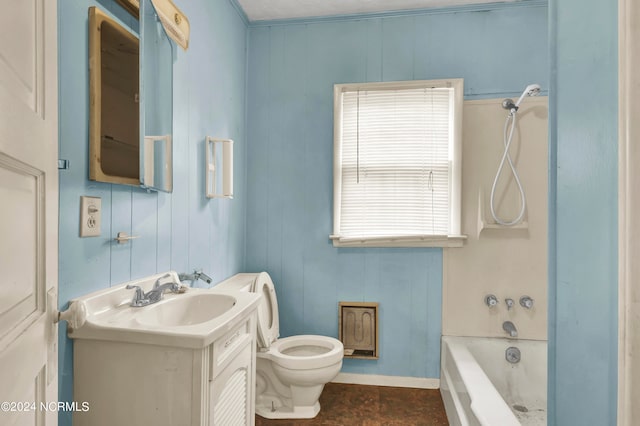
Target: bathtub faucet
510,328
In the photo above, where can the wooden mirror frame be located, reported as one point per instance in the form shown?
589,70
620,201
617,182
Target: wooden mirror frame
131,6
96,159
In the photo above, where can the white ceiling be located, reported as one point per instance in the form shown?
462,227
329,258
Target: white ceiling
259,10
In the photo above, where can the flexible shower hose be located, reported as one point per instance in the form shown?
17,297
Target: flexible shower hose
507,144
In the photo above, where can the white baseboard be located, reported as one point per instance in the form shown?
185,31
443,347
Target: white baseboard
395,381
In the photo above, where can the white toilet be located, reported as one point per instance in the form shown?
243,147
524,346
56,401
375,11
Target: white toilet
290,372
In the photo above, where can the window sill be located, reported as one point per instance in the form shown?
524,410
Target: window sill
400,241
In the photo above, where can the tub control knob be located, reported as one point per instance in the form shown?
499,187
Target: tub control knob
491,300
526,302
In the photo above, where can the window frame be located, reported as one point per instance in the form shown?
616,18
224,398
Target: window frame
455,237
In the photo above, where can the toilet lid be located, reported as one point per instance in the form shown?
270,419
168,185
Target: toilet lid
268,324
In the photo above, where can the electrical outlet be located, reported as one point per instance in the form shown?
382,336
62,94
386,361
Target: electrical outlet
90,213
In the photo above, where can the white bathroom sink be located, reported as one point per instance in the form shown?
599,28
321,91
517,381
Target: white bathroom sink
191,320
185,311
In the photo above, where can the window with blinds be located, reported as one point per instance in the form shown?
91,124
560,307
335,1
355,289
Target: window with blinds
397,171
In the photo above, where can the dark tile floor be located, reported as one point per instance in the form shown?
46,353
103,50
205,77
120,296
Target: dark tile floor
359,405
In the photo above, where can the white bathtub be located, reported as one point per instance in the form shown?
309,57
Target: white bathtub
479,386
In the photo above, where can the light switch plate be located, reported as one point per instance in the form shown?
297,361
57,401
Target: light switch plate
90,216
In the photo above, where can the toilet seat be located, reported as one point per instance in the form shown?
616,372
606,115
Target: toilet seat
305,352
268,316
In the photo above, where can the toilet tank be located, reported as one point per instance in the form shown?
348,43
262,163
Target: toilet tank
238,282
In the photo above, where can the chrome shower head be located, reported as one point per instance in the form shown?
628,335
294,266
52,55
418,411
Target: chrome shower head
530,90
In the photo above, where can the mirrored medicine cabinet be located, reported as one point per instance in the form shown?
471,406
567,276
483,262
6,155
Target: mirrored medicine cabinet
131,100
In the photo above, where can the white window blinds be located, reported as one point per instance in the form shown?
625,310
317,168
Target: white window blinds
395,164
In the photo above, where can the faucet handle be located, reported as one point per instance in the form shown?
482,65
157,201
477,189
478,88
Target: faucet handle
204,277
491,300
139,297
195,276
526,302
509,301
137,288
157,283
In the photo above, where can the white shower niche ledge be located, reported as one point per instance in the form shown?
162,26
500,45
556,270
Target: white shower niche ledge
187,360
484,224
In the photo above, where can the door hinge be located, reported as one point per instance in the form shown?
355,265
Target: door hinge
63,164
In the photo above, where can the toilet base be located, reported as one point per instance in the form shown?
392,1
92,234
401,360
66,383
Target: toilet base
283,412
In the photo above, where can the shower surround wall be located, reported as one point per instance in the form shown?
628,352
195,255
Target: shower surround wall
182,230
508,261
292,68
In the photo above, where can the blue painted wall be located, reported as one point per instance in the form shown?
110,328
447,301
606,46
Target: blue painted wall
292,67
498,50
583,257
179,231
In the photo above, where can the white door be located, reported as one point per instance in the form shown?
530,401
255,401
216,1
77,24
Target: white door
28,211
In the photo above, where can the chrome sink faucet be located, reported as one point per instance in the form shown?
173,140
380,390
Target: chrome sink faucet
140,298
510,328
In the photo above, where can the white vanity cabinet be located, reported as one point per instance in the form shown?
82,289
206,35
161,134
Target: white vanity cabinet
231,387
134,373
